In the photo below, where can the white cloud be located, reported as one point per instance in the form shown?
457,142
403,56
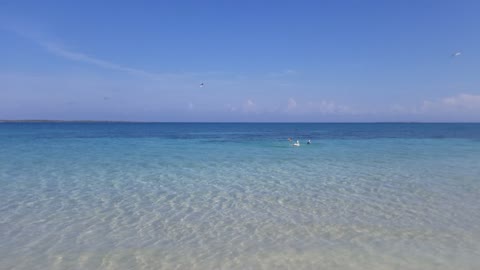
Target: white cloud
315,107
231,108
327,107
291,104
80,57
461,107
59,50
455,104
249,106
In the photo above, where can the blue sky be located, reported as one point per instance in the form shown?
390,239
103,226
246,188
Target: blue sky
316,61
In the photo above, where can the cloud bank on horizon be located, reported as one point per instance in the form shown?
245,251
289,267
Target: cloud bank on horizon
256,77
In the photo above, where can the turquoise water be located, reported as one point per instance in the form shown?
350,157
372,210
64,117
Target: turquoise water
238,196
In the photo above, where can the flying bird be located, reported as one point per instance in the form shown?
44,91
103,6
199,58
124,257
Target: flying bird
202,85
455,54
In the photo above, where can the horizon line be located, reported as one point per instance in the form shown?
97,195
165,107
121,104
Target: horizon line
227,122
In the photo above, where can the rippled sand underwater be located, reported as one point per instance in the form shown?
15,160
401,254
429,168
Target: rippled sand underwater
216,197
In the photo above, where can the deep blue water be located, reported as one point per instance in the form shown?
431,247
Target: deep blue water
241,131
239,196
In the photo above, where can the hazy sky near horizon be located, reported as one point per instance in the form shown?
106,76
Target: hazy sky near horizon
258,60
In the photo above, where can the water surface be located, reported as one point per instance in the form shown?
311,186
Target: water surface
238,196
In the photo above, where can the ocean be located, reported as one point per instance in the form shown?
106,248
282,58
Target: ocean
239,196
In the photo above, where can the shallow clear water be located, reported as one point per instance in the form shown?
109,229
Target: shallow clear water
238,196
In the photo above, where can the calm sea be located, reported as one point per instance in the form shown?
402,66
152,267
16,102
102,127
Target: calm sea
239,196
